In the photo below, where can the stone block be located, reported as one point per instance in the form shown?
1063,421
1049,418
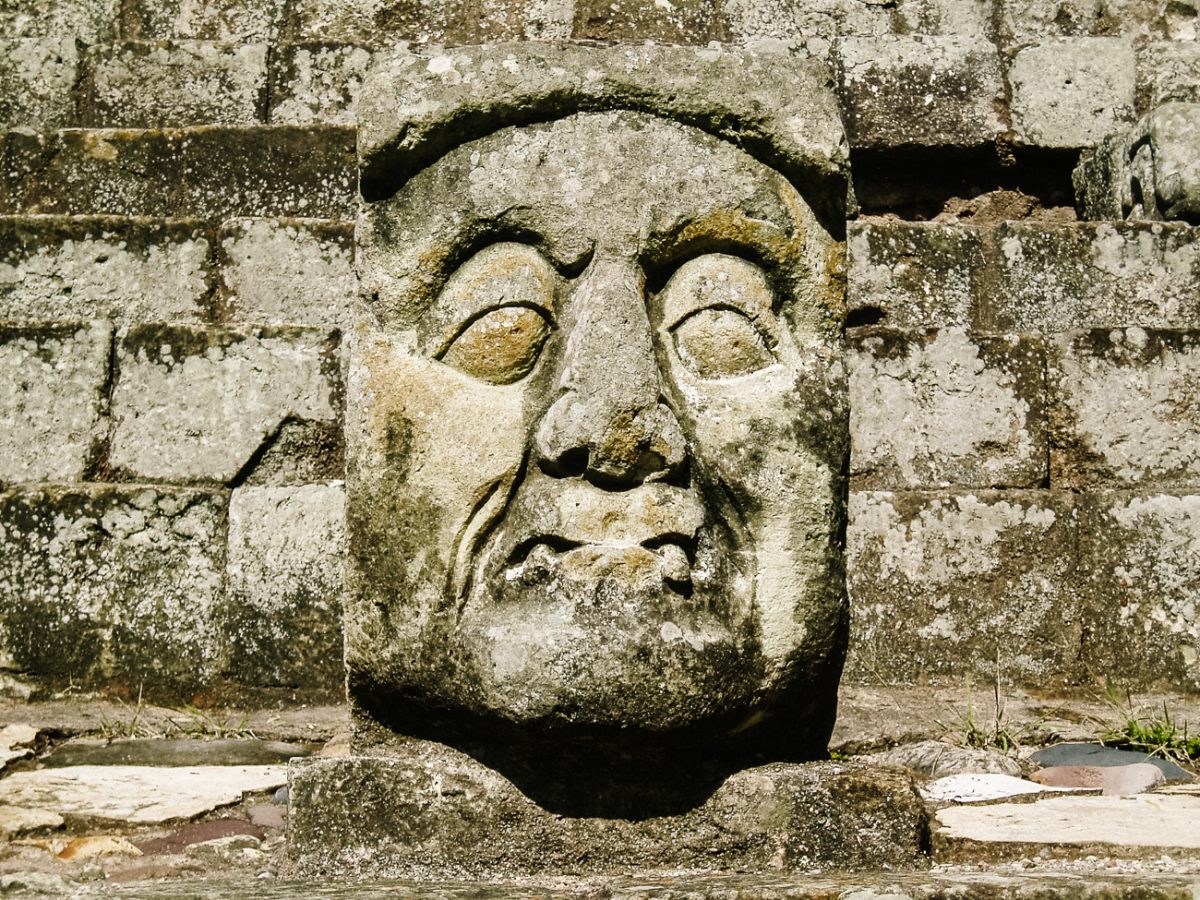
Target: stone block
801,20
677,22
970,18
37,80
211,172
533,20
51,394
912,274
431,812
288,271
1140,576
209,405
939,408
113,586
283,615
89,21
148,85
1124,408
1071,92
124,270
1167,72
1022,21
951,585
232,21
1053,278
374,24
318,83
905,90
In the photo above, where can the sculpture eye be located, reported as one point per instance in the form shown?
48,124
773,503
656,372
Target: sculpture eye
500,346
721,342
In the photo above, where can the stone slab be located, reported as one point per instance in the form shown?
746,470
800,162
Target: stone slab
286,549
17,820
208,172
920,90
230,21
37,81
1124,410
88,20
198,404
51,398
174,752
1119,781
1071,92
131,577
174,83
982,788
1167,72
124,270
933,578
318,83
137,795
436,813
288,271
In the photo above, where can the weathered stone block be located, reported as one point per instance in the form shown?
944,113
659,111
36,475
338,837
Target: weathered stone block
193,404
1140,576
89,21
912,274
902,90
798,20
371,23
53,386
233,21
210,172
431,812
37,78
941,408
1022,21
318,83
283,621
678,22
950,585
124,270
113,586
1071,92
1125,408
296,271
1167,72
533,20
970,18
146,85
1054,278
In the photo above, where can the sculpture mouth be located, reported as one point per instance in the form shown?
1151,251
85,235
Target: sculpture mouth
668,557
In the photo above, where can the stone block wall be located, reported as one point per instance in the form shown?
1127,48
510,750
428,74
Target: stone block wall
177,195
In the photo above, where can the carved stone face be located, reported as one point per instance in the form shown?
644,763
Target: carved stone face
597,436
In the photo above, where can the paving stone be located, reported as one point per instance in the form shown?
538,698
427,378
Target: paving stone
17,820
318,83
50,399
932,577
89,21
1091,754
1021,21
920,90
1167,71
1052,278
938,759
131,577
938,408
139,795
174,83
1071,92
172,752
1120,781
912,274
675,22
1124,409
209,172
233,21
124,270
196,404
286,546
1140,558
37,79
981,788
295,271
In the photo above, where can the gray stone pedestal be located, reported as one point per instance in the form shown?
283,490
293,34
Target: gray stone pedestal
431,812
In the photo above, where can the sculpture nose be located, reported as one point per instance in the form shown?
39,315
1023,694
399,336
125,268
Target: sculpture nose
609,423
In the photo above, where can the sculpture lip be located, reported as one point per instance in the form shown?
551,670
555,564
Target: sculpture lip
670,556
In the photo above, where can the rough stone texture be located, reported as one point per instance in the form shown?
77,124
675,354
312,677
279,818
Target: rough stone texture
286,552
912,275
1072,92
129,577
16,742
125,270
171,752
1167,72
1140,565
938,759
675,22
948,585
232,21
374,23
141,795
37,76
972,18
288,271
318,83
435,813
902,90
164,83
1022,21
17,820
1053,278
940,408
195,404
534,20
1125,410
796,20
211,172
87,20
51,394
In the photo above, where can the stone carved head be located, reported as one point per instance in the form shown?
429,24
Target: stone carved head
598,424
